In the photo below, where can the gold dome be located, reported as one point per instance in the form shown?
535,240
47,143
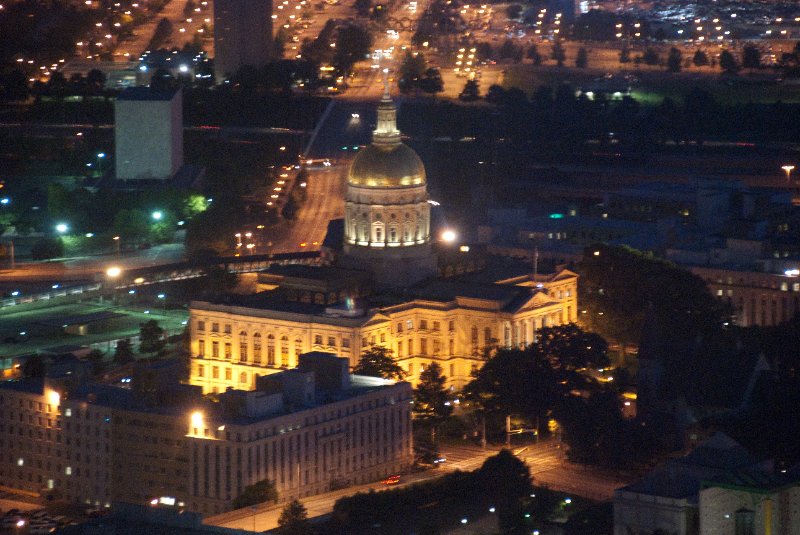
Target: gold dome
386,166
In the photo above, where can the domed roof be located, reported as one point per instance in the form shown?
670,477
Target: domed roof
386,166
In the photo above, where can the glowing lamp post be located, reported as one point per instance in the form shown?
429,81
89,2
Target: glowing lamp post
448,236
62,228
788,170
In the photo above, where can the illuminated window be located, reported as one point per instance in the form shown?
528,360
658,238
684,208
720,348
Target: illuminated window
201,371
423,324
215,327
243,346
228,374
201,348
318,339
228,350
215,372
201,325
423,346
215,349
243,378
436,326
257,348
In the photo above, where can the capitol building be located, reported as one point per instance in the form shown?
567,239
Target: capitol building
386,287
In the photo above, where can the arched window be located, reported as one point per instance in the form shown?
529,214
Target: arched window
298,349
243,346
364,232
393,234
284,351
270,350
257,348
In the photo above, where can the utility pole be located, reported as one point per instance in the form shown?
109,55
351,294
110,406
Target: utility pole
11,250
508,431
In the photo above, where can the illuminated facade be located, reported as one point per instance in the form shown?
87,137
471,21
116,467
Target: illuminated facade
98,444
448,322
420,318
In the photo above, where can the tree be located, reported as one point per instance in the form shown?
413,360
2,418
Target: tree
751,57
377,361
431,401
259,492
533,55
124,352
570,348
510,480
470,92
95,81
674,60
363,7
16,86
411,70
47,248
151,337
353,44
293,519
131,225
625,55
700,59
513,11
431,83
508,50
650,56
727,62
558,54
582,58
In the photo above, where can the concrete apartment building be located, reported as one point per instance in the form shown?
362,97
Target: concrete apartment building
242,35
148,133
309,429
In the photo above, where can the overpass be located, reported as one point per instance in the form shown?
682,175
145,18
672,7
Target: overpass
144,276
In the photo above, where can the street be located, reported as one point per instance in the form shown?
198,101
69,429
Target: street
543,459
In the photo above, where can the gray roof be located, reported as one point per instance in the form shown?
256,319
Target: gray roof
147,93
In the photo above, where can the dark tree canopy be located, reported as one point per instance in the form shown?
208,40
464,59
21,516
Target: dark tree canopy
124,352
674,60
430,396
377,361
260,492
294,519
151,337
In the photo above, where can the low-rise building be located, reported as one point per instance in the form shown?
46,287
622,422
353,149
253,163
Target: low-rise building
308,430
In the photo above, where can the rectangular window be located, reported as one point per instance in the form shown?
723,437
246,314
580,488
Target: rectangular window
437,347
436,326
228,374
332,341
215,372
215,349
399,327
410,368
346,343
228,350
201,348
400,349
383,338
423,324
452,370
227,328
201,371
451,347
423,346
215,327
410,324
201,325
318,339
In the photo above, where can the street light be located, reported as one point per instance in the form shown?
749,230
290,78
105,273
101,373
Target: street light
448,236
113,272
100,156
788,170
61,228
157,215
116,244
